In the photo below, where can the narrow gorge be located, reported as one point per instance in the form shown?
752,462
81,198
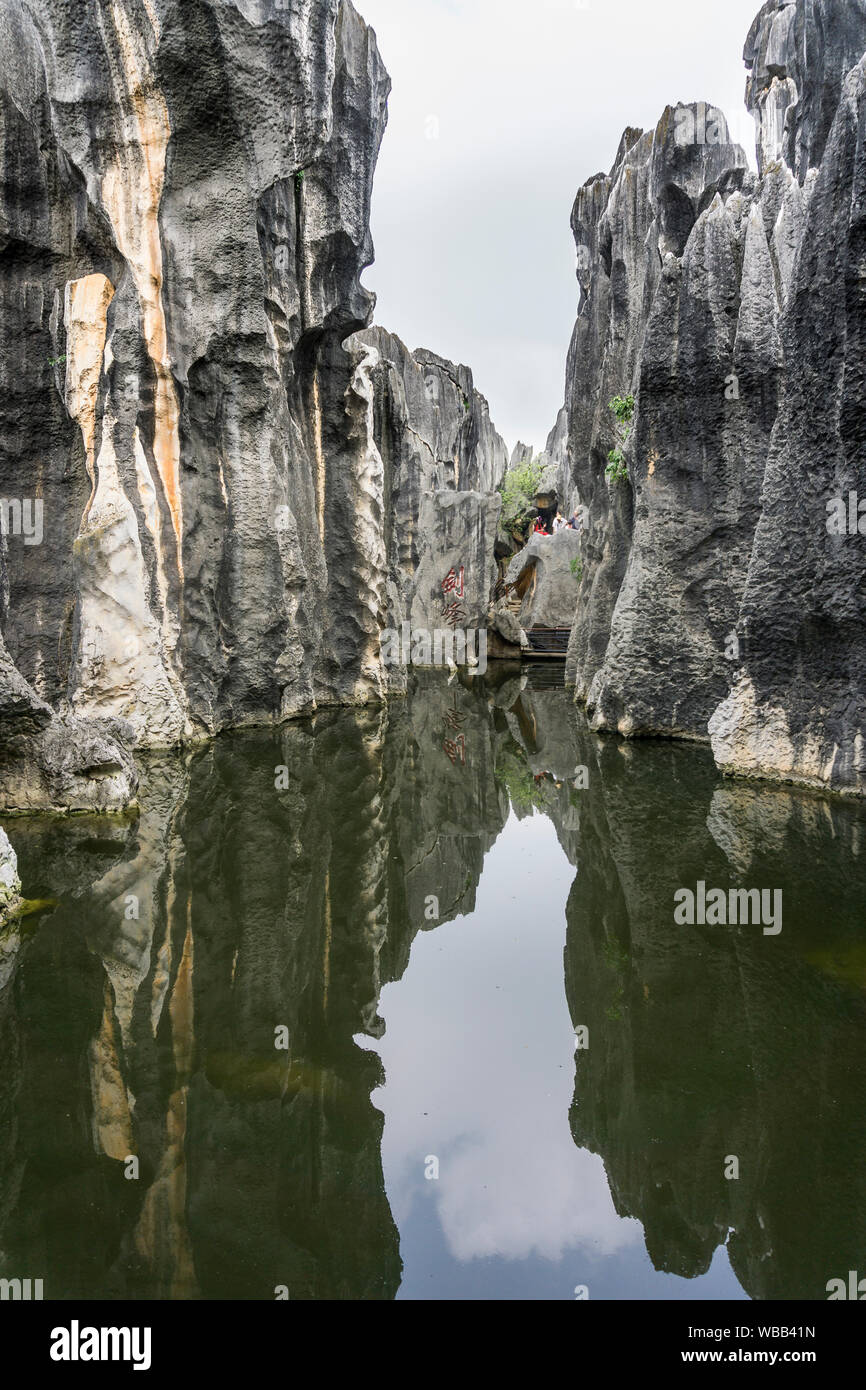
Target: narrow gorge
241,485
305,667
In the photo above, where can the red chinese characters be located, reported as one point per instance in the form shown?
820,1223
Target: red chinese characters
456,749
453,582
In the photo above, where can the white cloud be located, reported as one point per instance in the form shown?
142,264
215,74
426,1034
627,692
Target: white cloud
478,1037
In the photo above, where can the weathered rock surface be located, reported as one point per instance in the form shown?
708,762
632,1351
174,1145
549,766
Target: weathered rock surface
798,708
611,220
546,574
457,569
714,603
557,466
59,762
555,490
697,459
798,56
433,431
184,220
661,257
521,455
505,621
10,883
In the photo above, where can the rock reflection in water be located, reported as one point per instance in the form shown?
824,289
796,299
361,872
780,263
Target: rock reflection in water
140,1015
715,1041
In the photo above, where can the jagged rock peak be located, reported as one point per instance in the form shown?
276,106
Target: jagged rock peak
798,53
433,433
436,402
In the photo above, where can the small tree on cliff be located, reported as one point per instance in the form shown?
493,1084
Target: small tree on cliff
623,409
518,490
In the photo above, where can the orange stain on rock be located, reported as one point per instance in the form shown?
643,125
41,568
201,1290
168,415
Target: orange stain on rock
132,190
85,315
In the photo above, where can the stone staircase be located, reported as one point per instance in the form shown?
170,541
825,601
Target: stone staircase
547,643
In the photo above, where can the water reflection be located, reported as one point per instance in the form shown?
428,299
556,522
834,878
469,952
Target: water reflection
272,889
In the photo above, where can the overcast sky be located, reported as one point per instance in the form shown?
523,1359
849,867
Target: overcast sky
500,110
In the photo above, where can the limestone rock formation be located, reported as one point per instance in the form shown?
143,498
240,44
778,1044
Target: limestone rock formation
504,623
10,884
59,762
557,464
716,603
521,455
457,569
798,708
184,220
546,575
554,490
433,431
662,257
798,56
611,221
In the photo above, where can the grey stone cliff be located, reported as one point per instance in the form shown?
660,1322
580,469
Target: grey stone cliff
797,710
715,602
184,220
433,431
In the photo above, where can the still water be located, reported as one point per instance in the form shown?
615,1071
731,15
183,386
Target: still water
307,1025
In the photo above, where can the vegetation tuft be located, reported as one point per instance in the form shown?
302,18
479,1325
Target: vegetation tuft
623,409
517,490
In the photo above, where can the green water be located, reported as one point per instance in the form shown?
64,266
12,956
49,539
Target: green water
425,905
